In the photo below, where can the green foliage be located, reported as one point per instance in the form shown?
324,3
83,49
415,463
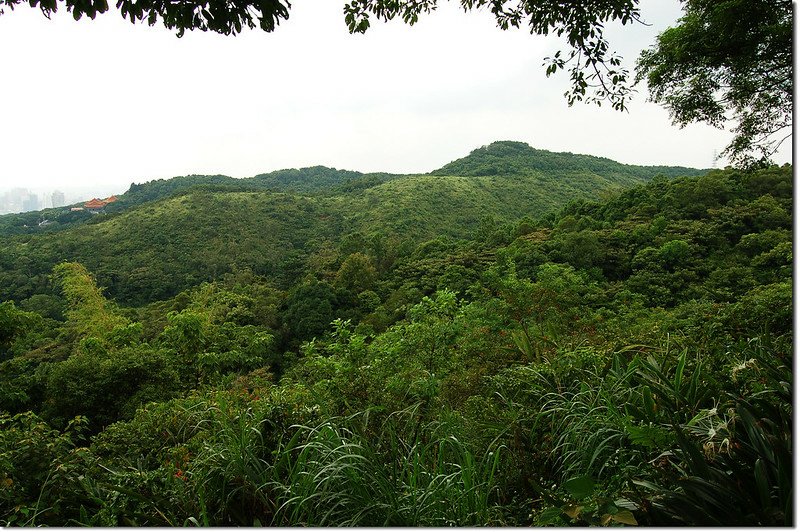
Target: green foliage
21,390
746,76
519,159
185,332
541,310
254,351
310,180
166,236
221,19
766,308
586,508
332,475
17,329
619,363
215,335
41,468
88,312
105,386
45,305
310,309
356,274
738,473
431,329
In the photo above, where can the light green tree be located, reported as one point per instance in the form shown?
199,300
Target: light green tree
88,312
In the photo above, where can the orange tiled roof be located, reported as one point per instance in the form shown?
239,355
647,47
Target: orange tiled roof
95,204
111,199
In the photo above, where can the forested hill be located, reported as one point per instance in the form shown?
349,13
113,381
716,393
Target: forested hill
315,180
312,180
518,158
623,361
558,176
170,235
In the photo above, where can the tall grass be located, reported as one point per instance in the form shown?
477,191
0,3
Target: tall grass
743,476
250,470
587,421
230,473
333,475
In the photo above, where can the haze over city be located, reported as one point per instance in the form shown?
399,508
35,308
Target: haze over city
23,199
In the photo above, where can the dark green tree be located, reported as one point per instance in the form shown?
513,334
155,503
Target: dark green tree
310,309
728,60
11,325
106,386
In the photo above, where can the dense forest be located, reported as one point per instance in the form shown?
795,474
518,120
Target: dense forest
520,338
166,236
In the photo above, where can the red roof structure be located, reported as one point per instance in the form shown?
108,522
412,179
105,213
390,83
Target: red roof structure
95,204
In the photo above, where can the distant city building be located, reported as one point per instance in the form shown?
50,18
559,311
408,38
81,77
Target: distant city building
30,202
12,199
58,199
19,200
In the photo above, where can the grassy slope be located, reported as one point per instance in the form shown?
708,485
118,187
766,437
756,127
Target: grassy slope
152,251
307,181
518,158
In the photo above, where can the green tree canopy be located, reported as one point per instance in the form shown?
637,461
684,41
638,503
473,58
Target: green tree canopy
357,273
88,312
728,60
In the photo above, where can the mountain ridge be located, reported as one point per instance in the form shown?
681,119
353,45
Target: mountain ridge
174,234
496,159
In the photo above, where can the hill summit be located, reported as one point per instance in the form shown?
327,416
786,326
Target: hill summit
518,158
505,179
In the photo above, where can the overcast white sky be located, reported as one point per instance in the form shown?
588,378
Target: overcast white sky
106,102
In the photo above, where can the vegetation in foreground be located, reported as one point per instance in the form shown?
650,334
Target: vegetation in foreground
622,362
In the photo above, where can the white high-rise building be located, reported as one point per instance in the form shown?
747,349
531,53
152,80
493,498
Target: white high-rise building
58,199
30,202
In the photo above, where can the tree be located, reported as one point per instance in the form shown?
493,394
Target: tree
15,324
728,60
542,310
356,273
88,312
591,64
107,385
206,15
310,309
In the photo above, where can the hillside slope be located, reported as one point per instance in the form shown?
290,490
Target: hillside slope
315,180
518,158
657,323
158,248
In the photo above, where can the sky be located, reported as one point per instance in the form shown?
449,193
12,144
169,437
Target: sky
104,103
